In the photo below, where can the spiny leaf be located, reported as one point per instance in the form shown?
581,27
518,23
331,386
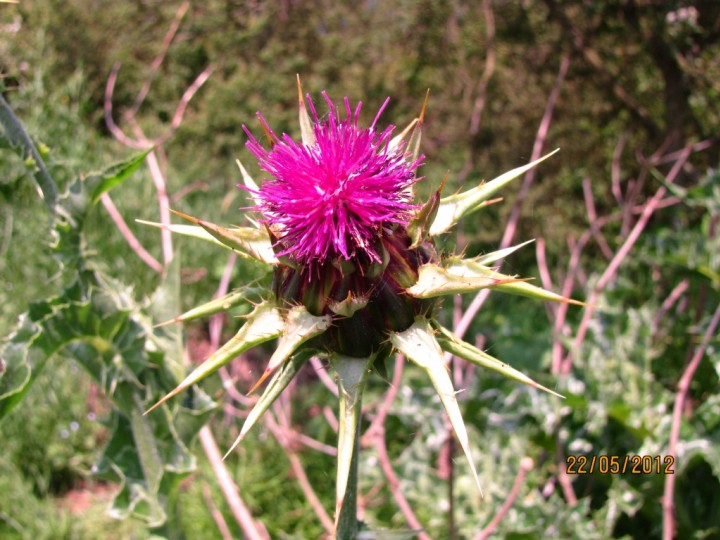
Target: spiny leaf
299,327
263,324
412,133
113,176
434,280
452,344
245,241
419,345
218,305
419,226
277,384
472,270
490,258
307,132
453,208
249,182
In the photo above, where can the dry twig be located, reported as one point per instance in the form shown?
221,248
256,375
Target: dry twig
668,503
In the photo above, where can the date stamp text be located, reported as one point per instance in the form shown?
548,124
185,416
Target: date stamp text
606,464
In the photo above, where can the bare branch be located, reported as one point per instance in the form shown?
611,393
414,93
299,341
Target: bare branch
118,133
615,169
611,270
511,226
562,475
668,303
526,465
130,238
593,219
216,514
155,66
668,503
251,529
322,374
285,441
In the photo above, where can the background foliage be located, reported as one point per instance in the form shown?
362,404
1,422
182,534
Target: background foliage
642,82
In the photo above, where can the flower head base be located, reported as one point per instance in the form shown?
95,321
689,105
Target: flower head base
331,199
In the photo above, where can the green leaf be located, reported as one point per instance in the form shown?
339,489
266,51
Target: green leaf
307,132
263,324
113,176
96,323
277,384
452,344
245,241
300,326
419,345
470,269
225,303
434,280
412,133
419,226
490,258
249,182
453,208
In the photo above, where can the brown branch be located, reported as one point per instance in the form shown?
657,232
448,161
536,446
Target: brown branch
562,475
488,70
322,374
558,365
545,278
375,435
668,504
159,59
537,152
511,226
592,218
251,529
285,439
118,133
130,238
668,303
182,106
482,86
526,465
394,484
216,514
611,270
615,175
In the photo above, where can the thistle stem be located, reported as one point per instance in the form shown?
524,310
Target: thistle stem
21,142
351,376
348,525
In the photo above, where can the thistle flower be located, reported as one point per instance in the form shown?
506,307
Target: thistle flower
355,271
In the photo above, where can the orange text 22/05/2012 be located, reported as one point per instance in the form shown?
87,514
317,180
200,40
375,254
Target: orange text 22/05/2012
607,464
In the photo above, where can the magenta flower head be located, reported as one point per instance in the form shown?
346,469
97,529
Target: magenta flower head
331,197
337,206
354,270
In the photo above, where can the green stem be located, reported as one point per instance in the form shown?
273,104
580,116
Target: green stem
23,144
348,525
351,376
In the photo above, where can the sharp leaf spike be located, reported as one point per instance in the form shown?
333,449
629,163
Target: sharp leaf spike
277,384
452,344
455,207
307,133
300,326
263,324
419,345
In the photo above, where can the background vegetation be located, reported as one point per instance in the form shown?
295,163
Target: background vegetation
628,211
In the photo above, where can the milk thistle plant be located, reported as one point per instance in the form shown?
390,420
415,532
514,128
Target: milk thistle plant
355,272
